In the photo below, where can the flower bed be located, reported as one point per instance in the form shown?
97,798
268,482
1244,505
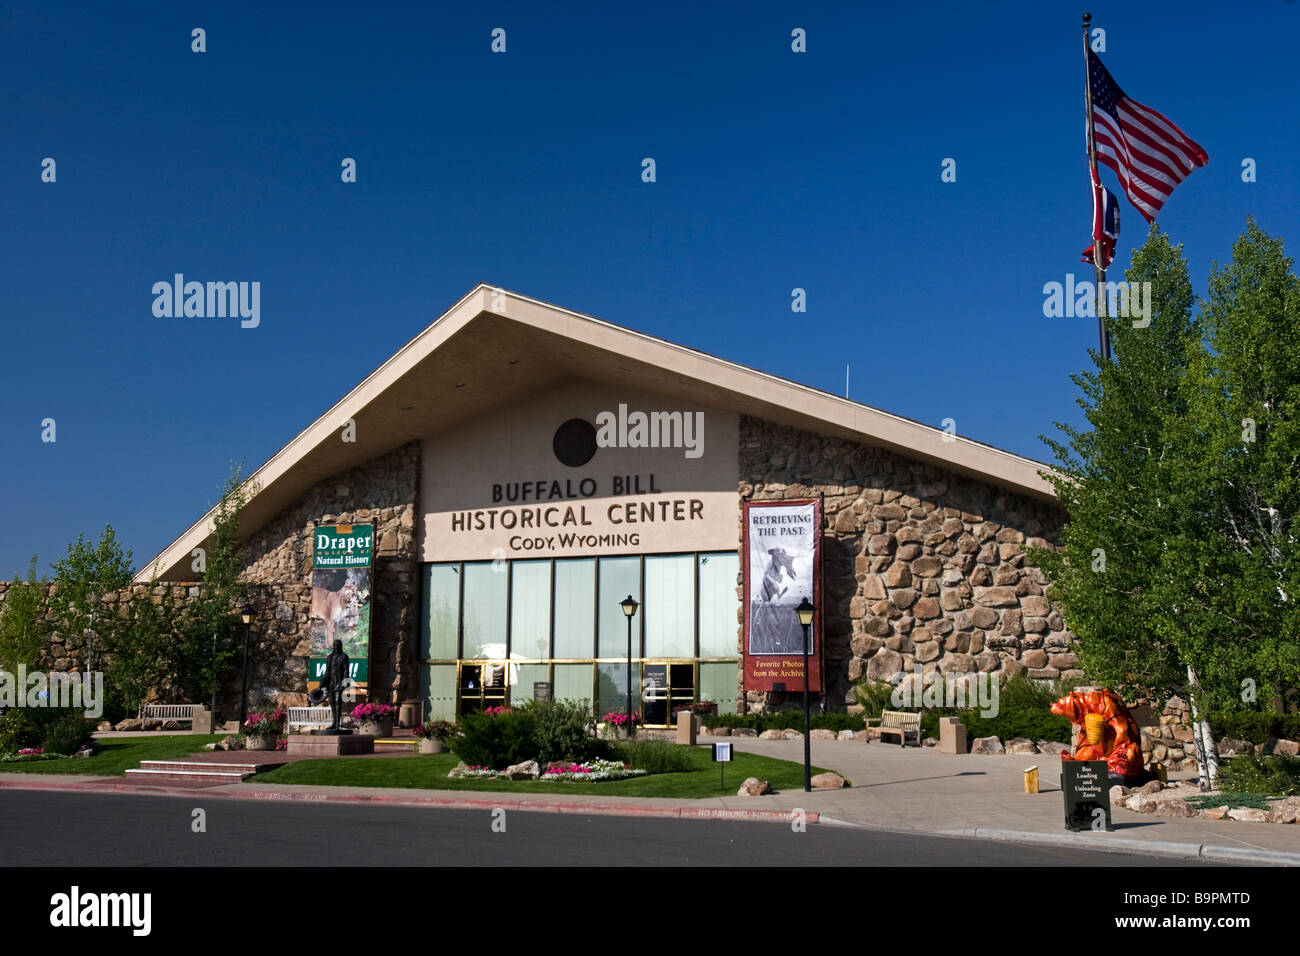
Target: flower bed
592,771
481,772
25,754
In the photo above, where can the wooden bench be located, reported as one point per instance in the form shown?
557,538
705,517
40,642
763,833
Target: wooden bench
199,717
308,717
897,723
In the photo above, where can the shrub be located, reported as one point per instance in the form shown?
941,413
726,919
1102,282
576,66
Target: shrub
1278,776
497,740
786,720
563,731
1255,726
873,695
654,756
67,735
19,729
31,726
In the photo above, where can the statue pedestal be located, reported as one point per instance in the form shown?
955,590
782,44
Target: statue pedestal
331,745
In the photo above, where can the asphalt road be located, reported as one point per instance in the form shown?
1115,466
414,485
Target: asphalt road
45,828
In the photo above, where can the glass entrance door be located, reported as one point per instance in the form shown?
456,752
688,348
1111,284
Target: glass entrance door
665,686
481,684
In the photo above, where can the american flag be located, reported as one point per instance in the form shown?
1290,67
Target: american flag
1149,154
1105,224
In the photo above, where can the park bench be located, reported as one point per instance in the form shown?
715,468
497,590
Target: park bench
199,717
898,723
308,717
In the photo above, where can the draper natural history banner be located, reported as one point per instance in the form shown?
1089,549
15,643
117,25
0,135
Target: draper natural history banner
782,567
340,598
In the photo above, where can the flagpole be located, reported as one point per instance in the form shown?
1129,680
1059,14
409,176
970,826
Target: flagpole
1099,270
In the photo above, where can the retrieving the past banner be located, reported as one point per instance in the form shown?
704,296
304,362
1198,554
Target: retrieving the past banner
782,566
342,556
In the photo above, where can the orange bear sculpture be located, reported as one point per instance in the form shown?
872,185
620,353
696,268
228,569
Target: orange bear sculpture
1120,740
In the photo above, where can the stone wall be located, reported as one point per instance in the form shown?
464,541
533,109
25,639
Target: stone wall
1170,739
923,566
381,492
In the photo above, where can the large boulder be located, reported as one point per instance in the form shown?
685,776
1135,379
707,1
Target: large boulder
457,770
128,724
987,746
1286,810
772,735
104,725
828,781
821,735
1231,747
847,735
791,735
744,732
1019,745
1215,813
1248,815
1282,748
753,787
528,770
1053,747
721,731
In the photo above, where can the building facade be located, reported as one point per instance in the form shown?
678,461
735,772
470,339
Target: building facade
527,468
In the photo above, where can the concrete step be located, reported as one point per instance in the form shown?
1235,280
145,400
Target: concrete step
234,766
207,778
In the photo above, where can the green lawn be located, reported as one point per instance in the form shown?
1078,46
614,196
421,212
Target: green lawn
430,773
119,754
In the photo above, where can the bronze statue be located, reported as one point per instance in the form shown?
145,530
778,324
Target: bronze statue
335,677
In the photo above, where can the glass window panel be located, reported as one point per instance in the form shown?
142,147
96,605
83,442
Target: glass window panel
573,682
619,577
718,684
575,609
613,687
438,687
719,605
522,678
485,611
441,610
669,606
530,610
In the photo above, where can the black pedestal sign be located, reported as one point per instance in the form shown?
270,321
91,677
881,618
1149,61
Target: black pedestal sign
1086,784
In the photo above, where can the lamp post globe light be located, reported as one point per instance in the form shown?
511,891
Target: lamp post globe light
805,612
245,615
629,606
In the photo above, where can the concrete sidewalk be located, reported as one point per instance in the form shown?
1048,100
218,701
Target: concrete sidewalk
905,790
921,789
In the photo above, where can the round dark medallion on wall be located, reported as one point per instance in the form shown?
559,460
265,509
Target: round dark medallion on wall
575,442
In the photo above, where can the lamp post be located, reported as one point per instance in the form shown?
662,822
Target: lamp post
246,615
805,612
629,606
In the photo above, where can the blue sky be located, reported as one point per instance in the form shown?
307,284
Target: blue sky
775,170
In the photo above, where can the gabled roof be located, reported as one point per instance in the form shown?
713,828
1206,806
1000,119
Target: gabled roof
494,347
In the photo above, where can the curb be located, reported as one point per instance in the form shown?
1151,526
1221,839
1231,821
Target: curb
1106,843
446,803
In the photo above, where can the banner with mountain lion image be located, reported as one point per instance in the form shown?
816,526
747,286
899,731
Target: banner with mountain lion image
342,559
